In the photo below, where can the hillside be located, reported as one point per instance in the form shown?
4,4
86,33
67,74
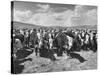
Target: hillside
19,25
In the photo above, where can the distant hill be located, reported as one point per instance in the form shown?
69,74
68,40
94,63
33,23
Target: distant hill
85,27
19,25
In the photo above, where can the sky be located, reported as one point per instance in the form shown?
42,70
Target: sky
51,14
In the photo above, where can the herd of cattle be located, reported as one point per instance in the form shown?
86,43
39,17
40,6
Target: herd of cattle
48,42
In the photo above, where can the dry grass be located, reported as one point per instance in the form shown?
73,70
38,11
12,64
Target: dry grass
40,64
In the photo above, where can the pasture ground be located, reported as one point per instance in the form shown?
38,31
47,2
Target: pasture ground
40,64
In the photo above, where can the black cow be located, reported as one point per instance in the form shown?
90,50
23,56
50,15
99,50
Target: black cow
20,58
33,38
59,42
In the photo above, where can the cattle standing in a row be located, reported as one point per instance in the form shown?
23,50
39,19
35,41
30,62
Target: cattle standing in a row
55,41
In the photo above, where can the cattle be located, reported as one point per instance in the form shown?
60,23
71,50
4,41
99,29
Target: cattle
20,58
33,38
26,38
19,36
50,41
53,43
59,42
86,42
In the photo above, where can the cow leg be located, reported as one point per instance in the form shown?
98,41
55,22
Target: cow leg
36,51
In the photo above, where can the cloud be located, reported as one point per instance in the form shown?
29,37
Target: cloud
84,15
43,7
81,15
22,16
52,19
92,17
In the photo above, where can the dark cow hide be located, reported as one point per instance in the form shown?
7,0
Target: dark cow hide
21,54
59,42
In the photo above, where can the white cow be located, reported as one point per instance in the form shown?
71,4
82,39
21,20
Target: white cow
70,42
50,41
39,39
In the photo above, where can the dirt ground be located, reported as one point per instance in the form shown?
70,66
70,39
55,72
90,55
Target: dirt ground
40,64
